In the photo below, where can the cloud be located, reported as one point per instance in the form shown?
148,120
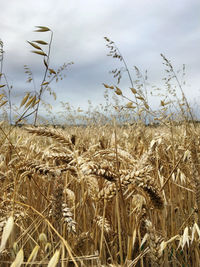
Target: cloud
141,30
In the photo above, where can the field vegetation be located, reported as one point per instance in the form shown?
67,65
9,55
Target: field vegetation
121,188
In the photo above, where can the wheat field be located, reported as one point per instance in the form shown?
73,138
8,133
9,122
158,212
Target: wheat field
106,196
117,191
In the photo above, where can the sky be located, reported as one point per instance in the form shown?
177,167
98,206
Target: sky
141,29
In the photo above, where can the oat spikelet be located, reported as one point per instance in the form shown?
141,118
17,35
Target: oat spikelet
6,232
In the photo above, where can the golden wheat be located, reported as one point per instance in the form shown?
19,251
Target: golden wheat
74,186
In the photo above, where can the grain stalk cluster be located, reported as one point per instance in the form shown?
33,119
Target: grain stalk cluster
102,195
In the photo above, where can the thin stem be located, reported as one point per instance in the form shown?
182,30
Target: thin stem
44,78
127,69
9,99
170,175
51,226
1,58
102,229
117,198
184,97
22,116
1,74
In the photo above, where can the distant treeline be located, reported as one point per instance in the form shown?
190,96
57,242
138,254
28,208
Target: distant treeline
63,126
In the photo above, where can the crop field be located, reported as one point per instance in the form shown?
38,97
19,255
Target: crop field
100,197
117,186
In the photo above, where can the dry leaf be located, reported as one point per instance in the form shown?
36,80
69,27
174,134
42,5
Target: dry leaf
19,259
6,232
33,255
54,260
185,237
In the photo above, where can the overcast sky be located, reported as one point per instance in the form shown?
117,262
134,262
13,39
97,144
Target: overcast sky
142,29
